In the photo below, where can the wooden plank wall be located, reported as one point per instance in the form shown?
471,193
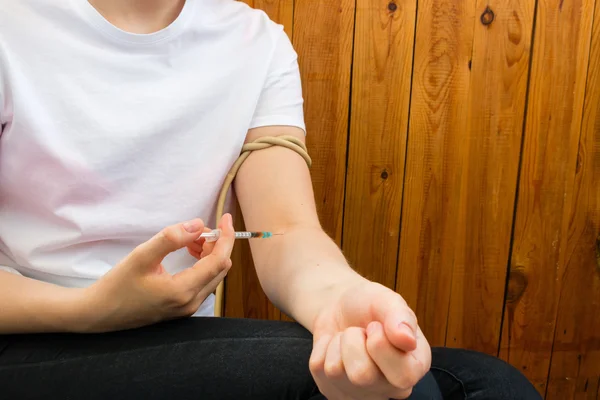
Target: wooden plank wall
463,136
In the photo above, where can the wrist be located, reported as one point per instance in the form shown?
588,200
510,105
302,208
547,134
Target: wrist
83,310
65,309
98,310
330,295
80,311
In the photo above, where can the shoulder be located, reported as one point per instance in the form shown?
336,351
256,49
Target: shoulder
236,12
240,22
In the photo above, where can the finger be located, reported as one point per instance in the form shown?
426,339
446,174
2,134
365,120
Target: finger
165,242
193,253
361,370
202,295
334,366
399,321
224,245
210,267
201,240
207,248
317,368
212,285
317,356
423,351
195,249
202,276
401,369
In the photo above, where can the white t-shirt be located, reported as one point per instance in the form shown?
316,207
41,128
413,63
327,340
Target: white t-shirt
108,137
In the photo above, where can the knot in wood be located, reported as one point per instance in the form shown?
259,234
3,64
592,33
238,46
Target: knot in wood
517,283
488,16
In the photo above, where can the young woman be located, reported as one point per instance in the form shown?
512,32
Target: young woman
120,119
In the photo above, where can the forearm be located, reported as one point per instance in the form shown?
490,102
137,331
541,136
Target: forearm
302,271
30,306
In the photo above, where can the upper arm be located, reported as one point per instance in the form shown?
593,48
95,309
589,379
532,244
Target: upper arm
273,186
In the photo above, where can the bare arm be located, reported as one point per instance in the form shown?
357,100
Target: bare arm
367,343
136,292
27,305
304,269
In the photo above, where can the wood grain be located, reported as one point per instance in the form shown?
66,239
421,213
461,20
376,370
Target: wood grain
383,50
323,40
452,172
244,296
576,347
430,211
488,172
550,154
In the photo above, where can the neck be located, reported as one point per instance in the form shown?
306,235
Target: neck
139,16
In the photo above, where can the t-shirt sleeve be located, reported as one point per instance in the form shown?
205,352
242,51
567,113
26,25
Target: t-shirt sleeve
281,101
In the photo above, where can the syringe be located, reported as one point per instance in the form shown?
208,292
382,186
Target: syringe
214,235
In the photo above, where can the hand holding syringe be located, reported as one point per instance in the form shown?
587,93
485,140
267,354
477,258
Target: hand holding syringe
214,235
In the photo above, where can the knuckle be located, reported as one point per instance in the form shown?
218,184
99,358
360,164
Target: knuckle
315,365
352,331
405,381
377,343
412,379
399,382
362,376
333,370
170,235
404,394
222,264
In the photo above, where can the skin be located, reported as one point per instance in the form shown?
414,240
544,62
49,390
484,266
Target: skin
367,342
139,16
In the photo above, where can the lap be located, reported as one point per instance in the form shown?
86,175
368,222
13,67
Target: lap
215,358
463,374
208,358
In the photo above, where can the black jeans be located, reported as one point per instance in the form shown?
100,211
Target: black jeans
214,358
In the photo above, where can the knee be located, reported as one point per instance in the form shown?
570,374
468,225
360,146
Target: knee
481,375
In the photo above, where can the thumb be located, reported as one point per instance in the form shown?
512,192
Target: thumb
398,320
168,240
222,248
215,264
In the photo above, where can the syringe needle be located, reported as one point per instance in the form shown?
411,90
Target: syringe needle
214,235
